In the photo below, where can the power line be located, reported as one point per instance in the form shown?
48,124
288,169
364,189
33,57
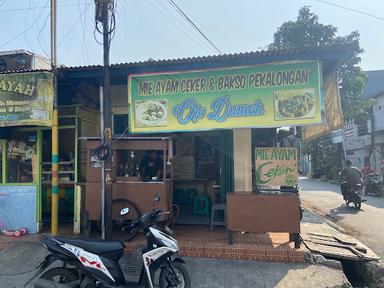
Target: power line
176,25
27,29
71,28
350,9
39,7
84,43
41,31
181,12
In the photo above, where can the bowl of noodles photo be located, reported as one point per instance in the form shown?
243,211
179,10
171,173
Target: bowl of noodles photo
151,113
294,104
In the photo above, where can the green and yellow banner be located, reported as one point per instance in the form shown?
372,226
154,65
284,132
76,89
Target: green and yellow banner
270,95
26,99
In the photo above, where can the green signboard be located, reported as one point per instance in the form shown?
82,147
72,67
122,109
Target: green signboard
26,99
253,96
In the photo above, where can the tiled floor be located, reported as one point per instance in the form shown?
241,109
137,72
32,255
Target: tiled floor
199,241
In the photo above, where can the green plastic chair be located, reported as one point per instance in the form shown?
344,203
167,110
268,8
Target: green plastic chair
201,205
190,195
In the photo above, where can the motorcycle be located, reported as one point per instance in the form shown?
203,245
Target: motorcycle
373,184
95,263
353,195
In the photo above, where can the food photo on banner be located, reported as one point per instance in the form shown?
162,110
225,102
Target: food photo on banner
252,96
26,99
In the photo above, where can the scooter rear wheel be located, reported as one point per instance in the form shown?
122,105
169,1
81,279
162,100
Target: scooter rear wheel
60,275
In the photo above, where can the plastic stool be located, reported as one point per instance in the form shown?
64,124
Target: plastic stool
190,194
218,207
200,205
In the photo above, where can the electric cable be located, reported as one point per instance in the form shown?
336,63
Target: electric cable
121,135
189,35
37,8
41,31
181,12
28,28
84,43
25,27
350,9
112,23
72,27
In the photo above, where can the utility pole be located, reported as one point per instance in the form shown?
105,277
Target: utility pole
102,15
55,128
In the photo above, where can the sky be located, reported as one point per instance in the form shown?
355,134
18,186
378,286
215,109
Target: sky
153,29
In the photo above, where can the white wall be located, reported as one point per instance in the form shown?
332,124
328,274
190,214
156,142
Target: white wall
378,113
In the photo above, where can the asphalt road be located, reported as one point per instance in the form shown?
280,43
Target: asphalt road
366,224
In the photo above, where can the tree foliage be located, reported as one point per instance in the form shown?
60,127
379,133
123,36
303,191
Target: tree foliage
325,157
307,31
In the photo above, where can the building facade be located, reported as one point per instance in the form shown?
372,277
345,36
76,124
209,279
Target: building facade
364,141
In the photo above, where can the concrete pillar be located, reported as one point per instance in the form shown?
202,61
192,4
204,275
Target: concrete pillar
242,157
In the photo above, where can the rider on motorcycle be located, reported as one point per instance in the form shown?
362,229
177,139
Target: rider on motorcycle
350,176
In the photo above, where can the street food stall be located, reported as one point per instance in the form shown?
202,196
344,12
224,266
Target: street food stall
131,181
214,108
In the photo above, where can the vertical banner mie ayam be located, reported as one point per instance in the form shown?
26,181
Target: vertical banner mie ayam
270,95
276,166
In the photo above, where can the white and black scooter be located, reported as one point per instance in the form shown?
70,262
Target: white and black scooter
95,263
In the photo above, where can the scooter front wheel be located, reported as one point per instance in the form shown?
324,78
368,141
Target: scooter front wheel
174,276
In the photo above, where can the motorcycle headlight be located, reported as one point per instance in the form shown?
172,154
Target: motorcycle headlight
165,239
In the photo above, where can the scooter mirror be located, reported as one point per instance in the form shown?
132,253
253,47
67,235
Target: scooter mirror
124,211
157,197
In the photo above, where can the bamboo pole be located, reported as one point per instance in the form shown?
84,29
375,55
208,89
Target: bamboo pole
55,130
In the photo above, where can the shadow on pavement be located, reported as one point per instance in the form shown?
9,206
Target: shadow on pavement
337,213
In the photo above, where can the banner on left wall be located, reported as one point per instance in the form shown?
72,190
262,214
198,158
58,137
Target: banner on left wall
26,99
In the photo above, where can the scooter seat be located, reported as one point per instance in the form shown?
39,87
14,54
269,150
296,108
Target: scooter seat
108,249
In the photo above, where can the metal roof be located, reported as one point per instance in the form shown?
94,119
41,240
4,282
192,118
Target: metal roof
375,84
24,71
345,49
15,52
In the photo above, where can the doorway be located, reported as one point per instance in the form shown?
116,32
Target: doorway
196,183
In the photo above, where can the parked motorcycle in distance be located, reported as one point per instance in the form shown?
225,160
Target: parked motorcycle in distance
373,184
95,263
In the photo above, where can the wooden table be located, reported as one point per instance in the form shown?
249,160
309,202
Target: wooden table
203,182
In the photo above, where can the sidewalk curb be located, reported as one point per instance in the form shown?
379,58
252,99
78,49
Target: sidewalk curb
326,220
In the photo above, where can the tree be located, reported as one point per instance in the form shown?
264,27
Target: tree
325,156
307,31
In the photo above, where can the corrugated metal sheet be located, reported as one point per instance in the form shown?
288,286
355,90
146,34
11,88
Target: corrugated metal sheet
346,48
24,71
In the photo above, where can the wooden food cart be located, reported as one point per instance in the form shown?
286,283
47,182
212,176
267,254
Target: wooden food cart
269,209
127,153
